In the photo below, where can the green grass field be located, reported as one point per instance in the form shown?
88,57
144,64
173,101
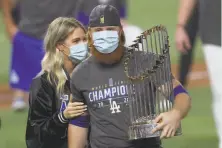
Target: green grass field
198,127
5,54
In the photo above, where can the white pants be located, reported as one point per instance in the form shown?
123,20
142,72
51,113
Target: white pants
213,56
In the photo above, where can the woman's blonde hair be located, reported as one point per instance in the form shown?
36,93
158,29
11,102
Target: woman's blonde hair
53,60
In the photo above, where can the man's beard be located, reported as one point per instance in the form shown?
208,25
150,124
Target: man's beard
109,58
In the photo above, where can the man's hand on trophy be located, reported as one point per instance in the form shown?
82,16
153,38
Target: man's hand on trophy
168,123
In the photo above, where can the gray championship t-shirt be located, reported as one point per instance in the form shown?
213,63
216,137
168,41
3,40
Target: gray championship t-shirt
36,15
104,89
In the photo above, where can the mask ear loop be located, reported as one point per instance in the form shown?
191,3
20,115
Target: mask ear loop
65,45
76,61
62,51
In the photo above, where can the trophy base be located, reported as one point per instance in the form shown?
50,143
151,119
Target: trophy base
141,131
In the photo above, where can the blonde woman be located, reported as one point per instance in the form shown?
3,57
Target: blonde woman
50,109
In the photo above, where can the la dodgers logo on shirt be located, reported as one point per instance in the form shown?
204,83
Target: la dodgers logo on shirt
112,95
65,100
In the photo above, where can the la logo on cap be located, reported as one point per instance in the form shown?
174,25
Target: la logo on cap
102,19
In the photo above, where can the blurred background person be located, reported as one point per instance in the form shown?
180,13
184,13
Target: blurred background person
210,33
15,11
27,40
185,45
131,32
84,7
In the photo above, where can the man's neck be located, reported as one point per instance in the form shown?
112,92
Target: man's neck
119,52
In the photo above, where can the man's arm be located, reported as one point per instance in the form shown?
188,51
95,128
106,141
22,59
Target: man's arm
181,37
78,131
11,28
78,127
181,98
169,121
185,10
182,101
77,135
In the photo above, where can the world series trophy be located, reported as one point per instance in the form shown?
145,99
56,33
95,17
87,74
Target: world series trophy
150,88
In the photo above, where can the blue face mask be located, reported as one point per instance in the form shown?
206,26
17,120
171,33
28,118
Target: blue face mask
78,52
106,41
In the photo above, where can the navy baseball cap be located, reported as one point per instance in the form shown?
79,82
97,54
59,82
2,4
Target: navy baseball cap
104,15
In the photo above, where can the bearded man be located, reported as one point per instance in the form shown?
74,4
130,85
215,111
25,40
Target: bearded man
100,82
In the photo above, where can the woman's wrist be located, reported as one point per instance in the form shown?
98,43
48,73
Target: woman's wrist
62,117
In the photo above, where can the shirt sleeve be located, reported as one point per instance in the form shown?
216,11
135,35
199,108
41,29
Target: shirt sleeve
76,93
81,121
45,122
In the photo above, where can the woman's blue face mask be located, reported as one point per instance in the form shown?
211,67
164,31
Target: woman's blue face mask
105,41
78,52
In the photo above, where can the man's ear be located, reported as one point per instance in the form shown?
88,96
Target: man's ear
120,30
89,34
122,36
